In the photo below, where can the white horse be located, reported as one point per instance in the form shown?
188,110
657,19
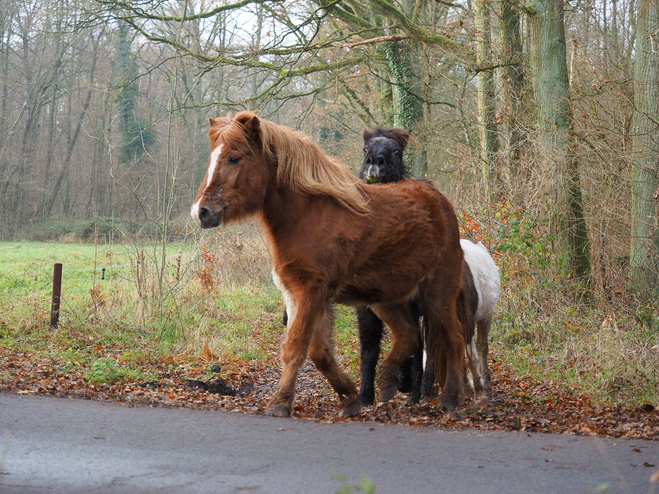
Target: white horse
488,285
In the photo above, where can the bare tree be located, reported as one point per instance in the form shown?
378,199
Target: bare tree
557,129
644,252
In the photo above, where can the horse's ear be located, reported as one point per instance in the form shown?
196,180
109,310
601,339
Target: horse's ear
367,136
211,121
402,137
250,122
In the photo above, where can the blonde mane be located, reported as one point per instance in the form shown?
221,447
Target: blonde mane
301,163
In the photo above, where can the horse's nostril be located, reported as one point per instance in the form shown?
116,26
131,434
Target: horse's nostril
204,214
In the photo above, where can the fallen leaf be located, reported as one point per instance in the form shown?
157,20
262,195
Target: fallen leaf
206,354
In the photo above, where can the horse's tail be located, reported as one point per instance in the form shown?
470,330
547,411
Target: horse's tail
466,307
446,344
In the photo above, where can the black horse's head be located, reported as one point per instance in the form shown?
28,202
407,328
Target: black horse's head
383,155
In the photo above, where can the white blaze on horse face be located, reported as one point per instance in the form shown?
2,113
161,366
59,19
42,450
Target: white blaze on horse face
215,156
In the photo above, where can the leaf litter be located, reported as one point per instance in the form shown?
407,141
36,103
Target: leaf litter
246,386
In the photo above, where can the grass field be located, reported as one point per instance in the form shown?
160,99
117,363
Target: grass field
216,290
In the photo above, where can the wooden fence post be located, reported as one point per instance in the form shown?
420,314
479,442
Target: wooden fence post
57,292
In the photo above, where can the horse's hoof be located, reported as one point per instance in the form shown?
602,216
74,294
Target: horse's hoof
480,395
387,393
480,398
351,410
448,401
414,398
367,400
278,411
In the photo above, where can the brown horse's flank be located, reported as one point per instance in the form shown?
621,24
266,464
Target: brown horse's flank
327,248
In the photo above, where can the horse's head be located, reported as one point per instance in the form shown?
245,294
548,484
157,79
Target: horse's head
383,155
238,172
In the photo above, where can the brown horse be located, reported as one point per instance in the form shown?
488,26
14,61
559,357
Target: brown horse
327,247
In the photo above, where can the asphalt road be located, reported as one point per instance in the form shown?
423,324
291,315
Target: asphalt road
54,445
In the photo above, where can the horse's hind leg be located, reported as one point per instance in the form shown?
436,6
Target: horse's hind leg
446,342
482,348
406,343
370,334
321,352
428,380
473,385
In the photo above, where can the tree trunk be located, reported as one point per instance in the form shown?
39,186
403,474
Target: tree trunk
513,85
408,108
487,127
551,84
644,251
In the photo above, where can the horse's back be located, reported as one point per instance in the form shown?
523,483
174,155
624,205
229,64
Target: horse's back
400,200
412,233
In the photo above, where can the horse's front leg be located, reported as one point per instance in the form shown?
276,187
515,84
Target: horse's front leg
406,343
370,334
293,353
321,352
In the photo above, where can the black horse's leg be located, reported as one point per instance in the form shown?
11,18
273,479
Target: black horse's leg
416,371
406,342
370,334
428,380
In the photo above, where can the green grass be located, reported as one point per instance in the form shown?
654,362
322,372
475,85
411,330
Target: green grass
126,318
26,274
109,328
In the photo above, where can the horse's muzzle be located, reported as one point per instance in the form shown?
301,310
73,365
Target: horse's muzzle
207,217
372,174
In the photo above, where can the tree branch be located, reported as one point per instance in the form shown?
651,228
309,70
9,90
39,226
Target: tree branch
456,51
380,39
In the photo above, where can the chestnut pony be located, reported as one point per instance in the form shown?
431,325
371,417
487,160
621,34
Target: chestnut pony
481,286
328,247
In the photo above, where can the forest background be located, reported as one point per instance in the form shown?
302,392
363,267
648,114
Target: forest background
539,119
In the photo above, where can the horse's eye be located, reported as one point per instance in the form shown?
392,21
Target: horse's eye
365,150
396,152
234,160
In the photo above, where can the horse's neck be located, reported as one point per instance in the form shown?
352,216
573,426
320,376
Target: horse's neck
282,212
